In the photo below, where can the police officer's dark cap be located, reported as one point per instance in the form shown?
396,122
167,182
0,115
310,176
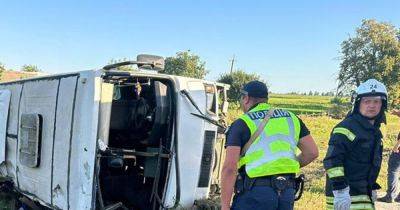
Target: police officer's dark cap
255,89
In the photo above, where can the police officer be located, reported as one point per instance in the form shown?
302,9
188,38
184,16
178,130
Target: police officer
393,172
354,155
264,174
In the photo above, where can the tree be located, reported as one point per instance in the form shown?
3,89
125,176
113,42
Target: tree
374,52
30,68
185,64
236,80
2,69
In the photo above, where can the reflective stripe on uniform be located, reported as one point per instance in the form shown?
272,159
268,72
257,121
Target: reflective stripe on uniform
350,135
354,198
335,172
356,206
357,202
362,206
360,198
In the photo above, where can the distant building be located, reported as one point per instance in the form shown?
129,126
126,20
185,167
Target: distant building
17,75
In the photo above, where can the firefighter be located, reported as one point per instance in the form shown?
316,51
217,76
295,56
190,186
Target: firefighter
267,169
354,155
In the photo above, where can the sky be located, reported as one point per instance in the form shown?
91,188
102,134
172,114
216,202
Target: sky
293,45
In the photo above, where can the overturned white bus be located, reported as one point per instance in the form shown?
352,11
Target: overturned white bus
107,139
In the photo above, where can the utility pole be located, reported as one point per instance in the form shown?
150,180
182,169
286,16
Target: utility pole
232,62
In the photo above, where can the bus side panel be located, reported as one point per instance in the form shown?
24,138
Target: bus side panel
190,143
62,141
5,96
39,97
84,142
12,131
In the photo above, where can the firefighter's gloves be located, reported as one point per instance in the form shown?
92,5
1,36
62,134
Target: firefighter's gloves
374,196
342,199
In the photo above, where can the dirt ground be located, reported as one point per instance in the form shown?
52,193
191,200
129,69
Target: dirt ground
386,206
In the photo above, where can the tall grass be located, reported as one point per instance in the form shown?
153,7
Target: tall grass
301,104
298,104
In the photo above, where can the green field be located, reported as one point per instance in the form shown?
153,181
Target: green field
300,104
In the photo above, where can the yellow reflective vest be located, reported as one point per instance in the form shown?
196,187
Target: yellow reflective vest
274,151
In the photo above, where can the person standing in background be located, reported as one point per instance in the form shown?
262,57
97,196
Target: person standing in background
393,177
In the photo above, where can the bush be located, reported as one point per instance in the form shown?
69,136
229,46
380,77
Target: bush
340,107
338,100
236,80
185,64
338,111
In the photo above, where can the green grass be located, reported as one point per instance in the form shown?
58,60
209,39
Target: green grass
298,104
301,104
